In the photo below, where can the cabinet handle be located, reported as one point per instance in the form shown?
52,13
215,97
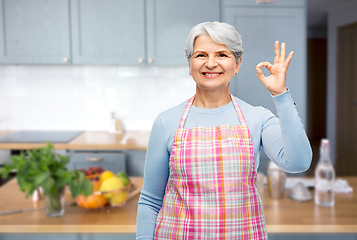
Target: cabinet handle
94,159
264,1
151,60
65,59
141,60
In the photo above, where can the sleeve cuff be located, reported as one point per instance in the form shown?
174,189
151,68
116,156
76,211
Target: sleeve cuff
283,102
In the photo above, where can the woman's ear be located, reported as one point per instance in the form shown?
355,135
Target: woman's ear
237,67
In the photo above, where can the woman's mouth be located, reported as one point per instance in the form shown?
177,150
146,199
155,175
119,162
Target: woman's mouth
211,74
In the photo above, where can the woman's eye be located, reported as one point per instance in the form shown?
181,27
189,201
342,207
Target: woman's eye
200,55
222,55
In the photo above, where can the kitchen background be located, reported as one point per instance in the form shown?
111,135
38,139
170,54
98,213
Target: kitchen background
81,97
79,92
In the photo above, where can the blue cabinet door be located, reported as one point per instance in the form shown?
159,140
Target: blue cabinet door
168,25
260,27
108,32
112,161
34,32
264,3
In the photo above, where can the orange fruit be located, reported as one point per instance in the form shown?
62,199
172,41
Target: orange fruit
93,201
96,186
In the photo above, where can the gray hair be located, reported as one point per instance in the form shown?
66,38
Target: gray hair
221,33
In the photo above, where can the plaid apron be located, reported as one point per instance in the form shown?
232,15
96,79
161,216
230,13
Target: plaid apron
212,191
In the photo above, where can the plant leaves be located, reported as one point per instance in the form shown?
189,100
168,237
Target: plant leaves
43,167
41,177
47,185
88,188
73,185
60,182
63,160
4,173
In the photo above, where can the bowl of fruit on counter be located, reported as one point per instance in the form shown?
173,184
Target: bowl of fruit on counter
109,188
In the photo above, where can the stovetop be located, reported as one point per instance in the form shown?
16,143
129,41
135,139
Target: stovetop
40,136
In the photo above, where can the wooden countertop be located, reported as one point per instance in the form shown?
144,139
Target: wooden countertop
75,219
282,216
102,140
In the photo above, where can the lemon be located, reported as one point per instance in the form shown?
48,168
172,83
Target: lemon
118,199
110,184
105,175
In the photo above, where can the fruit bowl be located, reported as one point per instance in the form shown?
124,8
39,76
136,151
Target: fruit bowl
108,188
99,199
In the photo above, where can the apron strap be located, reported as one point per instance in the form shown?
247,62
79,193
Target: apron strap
239,111
185,112
189,104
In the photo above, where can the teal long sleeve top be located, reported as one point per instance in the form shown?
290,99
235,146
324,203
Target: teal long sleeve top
282,138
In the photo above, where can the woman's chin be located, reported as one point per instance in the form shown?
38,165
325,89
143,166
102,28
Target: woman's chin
213,87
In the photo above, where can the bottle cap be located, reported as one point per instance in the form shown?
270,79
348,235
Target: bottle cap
324,142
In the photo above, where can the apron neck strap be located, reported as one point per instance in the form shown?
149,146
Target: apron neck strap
239,111
189,104
185,112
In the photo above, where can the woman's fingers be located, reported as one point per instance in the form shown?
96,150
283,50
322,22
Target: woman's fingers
260,73
267,65
282,54
277,52
287,62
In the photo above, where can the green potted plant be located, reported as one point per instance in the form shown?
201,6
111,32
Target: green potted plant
44,168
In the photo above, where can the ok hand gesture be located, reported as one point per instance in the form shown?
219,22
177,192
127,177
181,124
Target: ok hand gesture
276,82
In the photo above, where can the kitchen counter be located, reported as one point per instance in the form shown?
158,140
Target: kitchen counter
75,219
101,140
282,216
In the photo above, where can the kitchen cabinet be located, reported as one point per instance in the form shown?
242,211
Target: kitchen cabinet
142,32
265,3
110,160
168,24
108,32
135,162
34,32
136,32
130,161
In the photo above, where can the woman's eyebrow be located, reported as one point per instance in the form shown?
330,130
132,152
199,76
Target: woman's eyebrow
219,51
199,51
224,51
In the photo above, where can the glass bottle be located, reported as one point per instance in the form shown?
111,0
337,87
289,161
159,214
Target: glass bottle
324,177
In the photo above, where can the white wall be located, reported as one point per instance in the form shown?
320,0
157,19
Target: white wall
82,97
344,15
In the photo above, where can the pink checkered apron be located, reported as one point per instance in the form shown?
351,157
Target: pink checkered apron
212,191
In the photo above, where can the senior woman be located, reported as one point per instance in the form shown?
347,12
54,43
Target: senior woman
200,179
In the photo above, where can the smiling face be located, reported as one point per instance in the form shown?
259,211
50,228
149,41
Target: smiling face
212,65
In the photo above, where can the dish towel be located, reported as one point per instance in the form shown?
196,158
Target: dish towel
341,186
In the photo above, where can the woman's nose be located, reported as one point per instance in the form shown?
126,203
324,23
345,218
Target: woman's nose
211,62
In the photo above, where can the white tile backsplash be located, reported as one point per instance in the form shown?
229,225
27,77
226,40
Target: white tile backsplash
17,92
82,97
